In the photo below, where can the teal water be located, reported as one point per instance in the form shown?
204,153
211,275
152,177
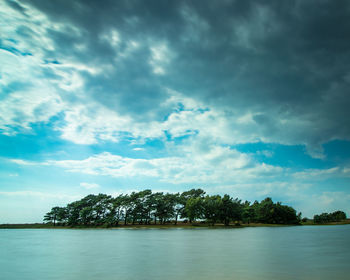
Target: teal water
307,252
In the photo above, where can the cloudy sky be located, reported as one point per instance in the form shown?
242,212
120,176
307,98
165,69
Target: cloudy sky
249,98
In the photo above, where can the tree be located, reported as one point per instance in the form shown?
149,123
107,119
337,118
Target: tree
212,205
141,207
336,216
264,211
116,211
194,208
127,207
230,210
186,196
164,207
179,206
56,214
248,213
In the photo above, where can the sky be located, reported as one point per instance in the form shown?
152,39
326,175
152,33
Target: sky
248,98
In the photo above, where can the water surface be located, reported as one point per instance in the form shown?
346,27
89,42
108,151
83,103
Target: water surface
304,252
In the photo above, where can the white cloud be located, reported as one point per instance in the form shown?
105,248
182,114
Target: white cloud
88,122
12,19
92,122
40,95
217,164
318,174
265,153
111,37
89,186
24,162
138,149
38,102
22,109
160,57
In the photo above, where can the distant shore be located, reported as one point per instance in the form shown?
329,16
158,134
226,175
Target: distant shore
166,226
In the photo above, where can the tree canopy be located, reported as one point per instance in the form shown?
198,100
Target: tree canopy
336,216
146,207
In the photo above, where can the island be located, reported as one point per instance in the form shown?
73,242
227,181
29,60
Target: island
188,209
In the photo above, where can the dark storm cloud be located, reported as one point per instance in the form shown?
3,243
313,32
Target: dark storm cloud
279,60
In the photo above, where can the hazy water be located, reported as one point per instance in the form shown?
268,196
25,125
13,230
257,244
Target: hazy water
314,252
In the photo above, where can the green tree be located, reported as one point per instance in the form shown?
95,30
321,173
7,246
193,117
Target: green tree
50,217
57,214
230,210
116,211
211,206
179,206
140,207
336,216
194,208
248,212
186,196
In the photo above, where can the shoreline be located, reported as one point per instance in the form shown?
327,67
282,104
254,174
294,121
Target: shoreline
166,226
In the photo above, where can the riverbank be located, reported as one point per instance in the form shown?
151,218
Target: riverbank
166,226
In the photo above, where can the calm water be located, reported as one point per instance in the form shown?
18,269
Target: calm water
315,252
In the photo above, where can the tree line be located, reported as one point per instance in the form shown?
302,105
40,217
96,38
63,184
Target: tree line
336,216
146,207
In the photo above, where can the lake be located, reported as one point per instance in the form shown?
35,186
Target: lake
299,252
